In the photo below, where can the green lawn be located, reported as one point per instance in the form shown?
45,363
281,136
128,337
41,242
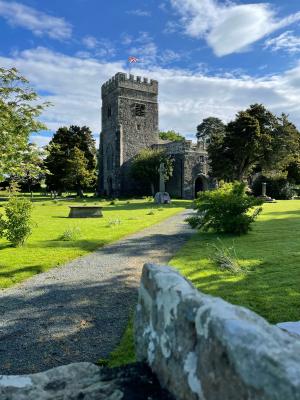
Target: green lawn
270,255
44,250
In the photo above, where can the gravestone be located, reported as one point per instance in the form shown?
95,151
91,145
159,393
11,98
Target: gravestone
264,196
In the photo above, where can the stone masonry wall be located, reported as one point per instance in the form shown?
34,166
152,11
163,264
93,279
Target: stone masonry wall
201,347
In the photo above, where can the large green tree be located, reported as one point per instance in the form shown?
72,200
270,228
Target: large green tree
145,168
211,131
256,140
61,150
19,109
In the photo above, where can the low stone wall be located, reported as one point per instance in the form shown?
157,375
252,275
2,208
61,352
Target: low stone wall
201,347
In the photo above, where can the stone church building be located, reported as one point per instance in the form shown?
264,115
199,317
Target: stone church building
130,124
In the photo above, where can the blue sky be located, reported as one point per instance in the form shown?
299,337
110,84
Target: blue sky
210,57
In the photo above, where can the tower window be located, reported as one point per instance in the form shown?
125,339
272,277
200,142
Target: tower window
108,111
139,110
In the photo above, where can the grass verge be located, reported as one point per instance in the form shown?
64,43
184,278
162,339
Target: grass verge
269,256
45,248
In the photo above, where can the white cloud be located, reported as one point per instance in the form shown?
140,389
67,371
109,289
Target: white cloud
228,27
39,23
73,86
140,13
101,47
287,41
90,42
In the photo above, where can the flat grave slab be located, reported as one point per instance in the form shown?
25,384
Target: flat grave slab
85,212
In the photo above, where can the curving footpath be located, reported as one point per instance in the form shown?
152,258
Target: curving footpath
78,312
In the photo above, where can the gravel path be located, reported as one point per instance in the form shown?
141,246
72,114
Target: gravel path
78,312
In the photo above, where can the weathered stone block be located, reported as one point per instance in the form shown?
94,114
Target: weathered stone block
85,212
85,381
201,347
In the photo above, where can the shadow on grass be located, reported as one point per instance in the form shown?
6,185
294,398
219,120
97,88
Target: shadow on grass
13,273
60,323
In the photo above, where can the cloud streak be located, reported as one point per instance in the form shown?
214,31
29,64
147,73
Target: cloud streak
41,24
287,41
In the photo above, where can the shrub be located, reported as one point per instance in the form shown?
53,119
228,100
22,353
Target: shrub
225,257
70,234
16,225
225,209
279,188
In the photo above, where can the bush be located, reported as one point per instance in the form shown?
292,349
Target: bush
278,188
225,209
16,225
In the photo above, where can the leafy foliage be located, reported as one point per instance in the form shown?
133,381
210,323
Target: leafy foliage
16,225
256,140
145,167
33,172
171,135
225,209
78,174
68,146
211,130
19,109
278,187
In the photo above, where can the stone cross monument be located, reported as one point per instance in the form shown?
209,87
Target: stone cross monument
162,197
161,170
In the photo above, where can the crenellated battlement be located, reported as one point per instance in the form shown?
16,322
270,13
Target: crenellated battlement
130,81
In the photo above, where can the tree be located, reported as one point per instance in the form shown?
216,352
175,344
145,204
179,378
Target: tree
78,174
145,168
211,130
32,169
171,135
61,149
243,135
19,109
293,171
257,141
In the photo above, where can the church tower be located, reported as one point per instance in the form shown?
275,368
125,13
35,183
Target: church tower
129,124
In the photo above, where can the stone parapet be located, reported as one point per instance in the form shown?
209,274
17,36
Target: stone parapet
201,347
129,82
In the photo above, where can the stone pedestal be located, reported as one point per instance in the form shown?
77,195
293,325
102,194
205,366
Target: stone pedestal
85,212
162,198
